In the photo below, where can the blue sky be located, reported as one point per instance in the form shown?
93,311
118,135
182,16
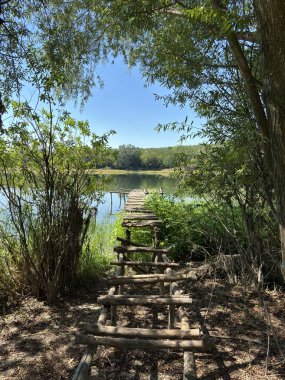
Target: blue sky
127,106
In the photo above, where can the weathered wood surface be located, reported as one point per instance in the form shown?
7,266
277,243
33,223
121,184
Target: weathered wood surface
146,333
141,216
189,367
128,242
141,279
131,249
142,344
186,339
144,300
146,264
83,368
138,209
146,223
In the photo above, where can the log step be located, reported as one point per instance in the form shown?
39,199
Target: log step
132,249
143,344
144,300
151,280
138,209
140,217
146,223
146,333
146,264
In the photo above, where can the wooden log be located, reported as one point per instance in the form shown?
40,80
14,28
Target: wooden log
114,291
144,300
142,344
131,249
146,333
137,209
121,260
104,312
152,280
146,263
151,275
134,203
189,370
126,242
145,223
171,308
158,259
140,217
189,366
136,199
83,368
128,236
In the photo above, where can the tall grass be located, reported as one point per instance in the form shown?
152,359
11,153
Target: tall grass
98,250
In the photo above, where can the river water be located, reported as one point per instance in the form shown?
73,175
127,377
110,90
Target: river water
114,202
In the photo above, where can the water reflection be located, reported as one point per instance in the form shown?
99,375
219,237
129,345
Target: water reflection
115,201
141,181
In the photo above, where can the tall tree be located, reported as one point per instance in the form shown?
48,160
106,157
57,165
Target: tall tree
190,46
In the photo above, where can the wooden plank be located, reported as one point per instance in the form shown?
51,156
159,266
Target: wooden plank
146,223
138,209
140,217
142,344
146,333
83,368
189,370
144,300
130,249
146,263
189,366
171,308
152,280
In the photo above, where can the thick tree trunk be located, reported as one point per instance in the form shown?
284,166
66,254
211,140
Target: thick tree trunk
271,21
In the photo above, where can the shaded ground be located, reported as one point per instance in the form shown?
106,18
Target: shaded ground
37,341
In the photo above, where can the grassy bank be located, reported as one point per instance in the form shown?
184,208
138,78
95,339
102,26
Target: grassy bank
162,172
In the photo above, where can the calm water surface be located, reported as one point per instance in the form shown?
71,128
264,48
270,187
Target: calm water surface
113,204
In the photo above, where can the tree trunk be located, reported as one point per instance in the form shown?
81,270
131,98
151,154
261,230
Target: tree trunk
271,21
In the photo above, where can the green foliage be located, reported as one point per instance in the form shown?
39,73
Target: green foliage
131,158
98,249
48,198
197,229
208,228
128,157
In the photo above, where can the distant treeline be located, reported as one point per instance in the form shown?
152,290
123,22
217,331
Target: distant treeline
130,157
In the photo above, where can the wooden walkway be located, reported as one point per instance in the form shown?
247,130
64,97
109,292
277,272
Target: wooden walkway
186,339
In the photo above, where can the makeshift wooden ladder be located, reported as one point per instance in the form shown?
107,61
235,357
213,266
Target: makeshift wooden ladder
187,339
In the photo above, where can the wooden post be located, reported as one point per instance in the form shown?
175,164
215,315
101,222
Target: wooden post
111,211
171,308
121,259
156,237
189,372
120,200
158,257
114,311
128,236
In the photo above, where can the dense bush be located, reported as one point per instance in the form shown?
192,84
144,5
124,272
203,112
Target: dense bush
47,200
204,229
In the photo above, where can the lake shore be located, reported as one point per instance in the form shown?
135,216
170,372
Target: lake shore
162,172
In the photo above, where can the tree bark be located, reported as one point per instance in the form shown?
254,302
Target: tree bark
271,20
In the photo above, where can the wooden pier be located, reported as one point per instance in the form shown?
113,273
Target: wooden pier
185,338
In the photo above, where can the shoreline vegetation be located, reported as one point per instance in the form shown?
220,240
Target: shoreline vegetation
161,172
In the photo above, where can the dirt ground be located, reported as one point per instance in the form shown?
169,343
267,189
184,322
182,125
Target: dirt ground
37,341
